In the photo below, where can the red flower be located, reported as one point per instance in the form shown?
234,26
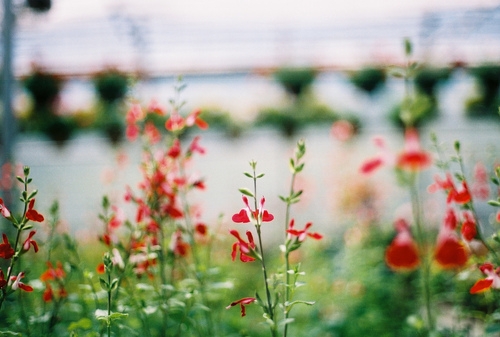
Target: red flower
195,146
402,254
450,253
480,188
413,158
18,284
469,230
32,214
175,149
152,133
371,165
175,122
132,132
3,210
247,249
135,114
6,250
48,294
492,279
244,301
30,242
461,196
101,268
3,282
302,234
201,229
156,108
260,214
193,118
178,246
53,274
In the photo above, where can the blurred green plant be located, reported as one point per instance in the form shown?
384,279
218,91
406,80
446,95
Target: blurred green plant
368,79
295,81
485,102
111,86
44,88
292,118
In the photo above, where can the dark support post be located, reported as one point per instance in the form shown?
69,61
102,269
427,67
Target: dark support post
8,121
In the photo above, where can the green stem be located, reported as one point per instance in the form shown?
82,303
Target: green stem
422,240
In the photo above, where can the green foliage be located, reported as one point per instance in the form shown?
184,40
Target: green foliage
111,85
42,86
485,102
290,119
368,79
427,80
295,80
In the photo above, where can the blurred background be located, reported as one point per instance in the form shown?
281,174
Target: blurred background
264,73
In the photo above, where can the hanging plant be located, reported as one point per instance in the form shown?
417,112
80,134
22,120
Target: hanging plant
39,5
295,80
485,102
368,79
42,86
111,85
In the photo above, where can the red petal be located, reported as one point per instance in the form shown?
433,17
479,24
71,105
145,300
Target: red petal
481,286
402,254
371,165
241,217
450,253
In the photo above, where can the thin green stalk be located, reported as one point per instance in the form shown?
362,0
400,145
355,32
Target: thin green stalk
422,240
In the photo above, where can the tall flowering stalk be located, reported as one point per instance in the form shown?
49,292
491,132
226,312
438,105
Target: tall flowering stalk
406,253
166,235
250,251
12,279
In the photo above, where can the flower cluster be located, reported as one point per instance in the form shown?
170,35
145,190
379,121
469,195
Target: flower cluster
11,280
251,249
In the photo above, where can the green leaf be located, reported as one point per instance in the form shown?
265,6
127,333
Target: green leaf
114,284
299,168
260,176
247,192
117,315
10,333
104,284
289,305
84,324
495,203
249,175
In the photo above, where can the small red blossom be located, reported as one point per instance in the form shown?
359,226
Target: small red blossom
53,273
134,114
492,279
193,118
177,245
304,233
6,250
195,146
459,196
3,281
156,108
48,294
132,132
413,158
32,214
201,229
246,248
18,284
175,122
242,302
3,209
30,242
402,254
342,130
480,187
371,165
241,216
153,134
175,149
468,230
450,252
101,268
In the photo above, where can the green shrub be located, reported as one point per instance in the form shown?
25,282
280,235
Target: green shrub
295,80
368,79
